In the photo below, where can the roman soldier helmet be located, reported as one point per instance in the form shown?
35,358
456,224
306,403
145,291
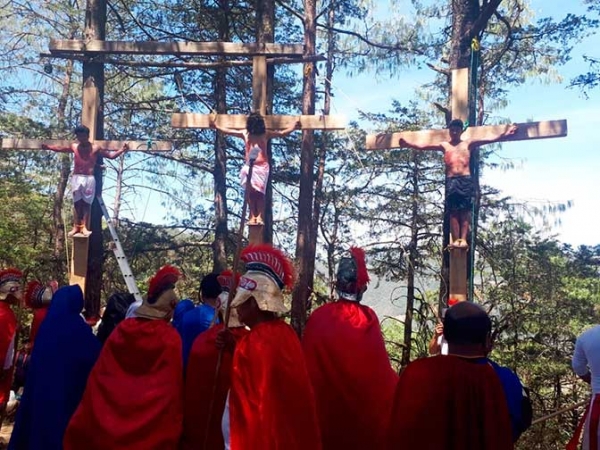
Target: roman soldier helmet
37,295
268,272
161,299
10,284
228,282
352,276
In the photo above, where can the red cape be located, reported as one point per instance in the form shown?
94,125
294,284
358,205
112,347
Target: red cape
39,315
199,390
133,398
8,328
448,403
351,374
271,403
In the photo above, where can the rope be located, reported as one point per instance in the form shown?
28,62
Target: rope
559,412
475,47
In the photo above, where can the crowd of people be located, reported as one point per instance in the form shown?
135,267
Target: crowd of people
230,373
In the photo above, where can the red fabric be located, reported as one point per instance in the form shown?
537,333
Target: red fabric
38,317
448,403
133,399
573,444
8,328
199,390
351,374
271,403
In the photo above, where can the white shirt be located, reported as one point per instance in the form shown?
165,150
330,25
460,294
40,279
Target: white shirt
586,357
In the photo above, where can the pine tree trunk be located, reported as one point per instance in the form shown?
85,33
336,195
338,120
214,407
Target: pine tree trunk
93,75
305,262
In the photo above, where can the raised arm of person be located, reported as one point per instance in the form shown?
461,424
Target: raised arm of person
231,131
281,133
404,143
509,131
114,154
56,148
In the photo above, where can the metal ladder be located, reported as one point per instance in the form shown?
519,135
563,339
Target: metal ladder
120,254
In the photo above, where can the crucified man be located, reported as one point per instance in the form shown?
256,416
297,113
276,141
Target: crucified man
83,183
459,184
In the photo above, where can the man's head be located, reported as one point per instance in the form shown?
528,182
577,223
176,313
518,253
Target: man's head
255,124
269,271
467,328
352,276
210,289
455,128
228,281
82,133
10,285
162,298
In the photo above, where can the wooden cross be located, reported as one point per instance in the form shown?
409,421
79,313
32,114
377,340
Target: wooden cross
91,102
273,122
458,278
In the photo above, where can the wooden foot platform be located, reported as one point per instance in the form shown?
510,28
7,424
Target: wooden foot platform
79,260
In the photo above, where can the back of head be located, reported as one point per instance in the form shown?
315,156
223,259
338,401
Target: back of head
115,312
210,286
68,300
352,276
255,124
467,324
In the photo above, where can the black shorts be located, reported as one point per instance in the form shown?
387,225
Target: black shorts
459,193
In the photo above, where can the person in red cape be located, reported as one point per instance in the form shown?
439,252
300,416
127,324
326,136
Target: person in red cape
454,401
348,364
10,294
271,403
38,298
133,398
204,402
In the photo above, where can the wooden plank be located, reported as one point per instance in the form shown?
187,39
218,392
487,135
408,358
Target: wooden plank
458,274
36,144
275,122
174,48
90,108
259,84
525,131
460,94
255,234
79,258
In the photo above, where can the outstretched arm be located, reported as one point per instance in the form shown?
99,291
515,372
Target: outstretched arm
231,131
509,131
281,133
114,154
404,143
57,149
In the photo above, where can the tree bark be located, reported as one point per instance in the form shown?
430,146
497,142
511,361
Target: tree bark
93,75
304,260
219,246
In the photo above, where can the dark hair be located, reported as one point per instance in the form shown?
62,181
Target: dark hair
114,313
456,123
81,129
210,287
466,324
255,124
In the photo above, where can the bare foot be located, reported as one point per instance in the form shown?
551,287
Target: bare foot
73,231
462,243
85,232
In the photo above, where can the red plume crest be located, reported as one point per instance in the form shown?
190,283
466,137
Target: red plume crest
225,279
273,258
10,274
362,275
167,275
33,294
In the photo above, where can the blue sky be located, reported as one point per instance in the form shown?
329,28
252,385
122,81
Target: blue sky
549,170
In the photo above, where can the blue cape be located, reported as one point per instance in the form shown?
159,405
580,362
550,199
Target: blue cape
193,323
64,353
182,307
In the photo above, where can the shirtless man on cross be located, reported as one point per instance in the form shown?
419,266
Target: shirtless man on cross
459,185
83,183
256,137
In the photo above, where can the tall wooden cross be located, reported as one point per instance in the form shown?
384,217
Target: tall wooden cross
458,277
273,122
89,113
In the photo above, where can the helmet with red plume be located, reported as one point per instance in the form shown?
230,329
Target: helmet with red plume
352,275
161,299
37,295
10,284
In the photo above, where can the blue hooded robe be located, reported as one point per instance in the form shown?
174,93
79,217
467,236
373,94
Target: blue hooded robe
64,353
